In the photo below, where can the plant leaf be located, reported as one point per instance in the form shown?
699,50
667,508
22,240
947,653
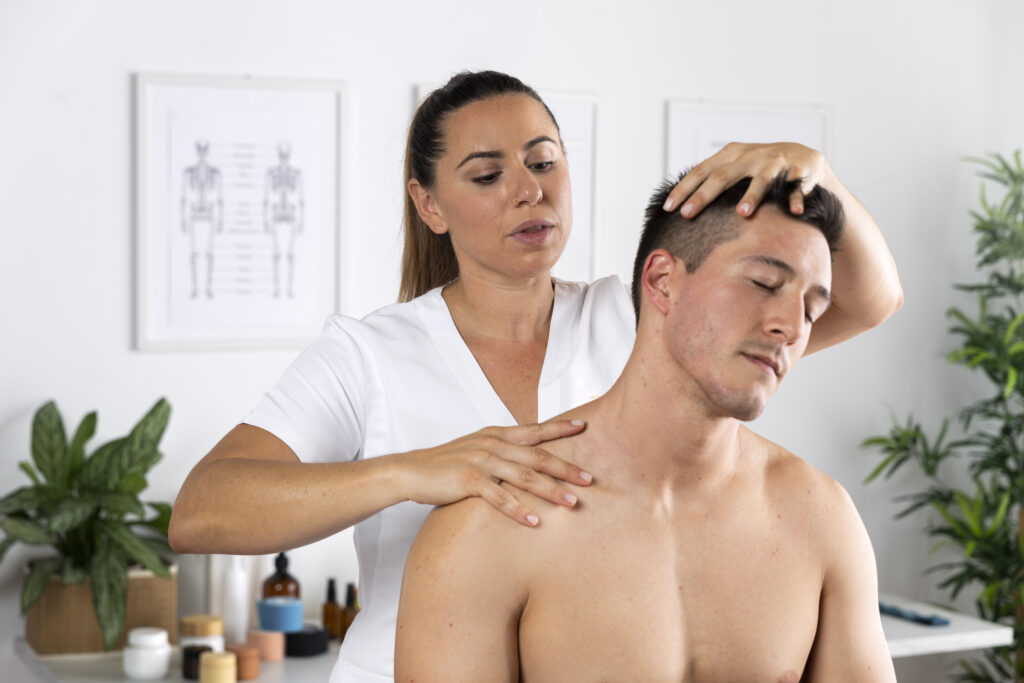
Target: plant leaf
5,545
70,513
121,504
103,466
76,451
26,531
120,534
141,447
27,468
23,499
133,484
49,443
109,591
37,580
162,519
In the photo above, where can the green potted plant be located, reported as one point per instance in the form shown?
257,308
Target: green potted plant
985,520
87,508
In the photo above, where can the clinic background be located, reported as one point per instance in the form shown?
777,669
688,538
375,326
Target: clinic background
913,87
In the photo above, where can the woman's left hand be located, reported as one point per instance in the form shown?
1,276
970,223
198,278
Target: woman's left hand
760,163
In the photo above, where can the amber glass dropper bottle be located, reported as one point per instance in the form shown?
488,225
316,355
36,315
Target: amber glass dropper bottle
281,582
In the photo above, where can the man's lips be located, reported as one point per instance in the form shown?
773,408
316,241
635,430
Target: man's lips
766,362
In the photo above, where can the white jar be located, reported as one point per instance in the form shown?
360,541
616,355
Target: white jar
147,654
202,629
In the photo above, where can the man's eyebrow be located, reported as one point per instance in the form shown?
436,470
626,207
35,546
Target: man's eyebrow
788,270
499,155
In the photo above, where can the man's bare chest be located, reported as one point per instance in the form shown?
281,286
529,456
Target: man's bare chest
733,600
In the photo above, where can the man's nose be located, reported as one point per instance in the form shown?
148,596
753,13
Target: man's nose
786,320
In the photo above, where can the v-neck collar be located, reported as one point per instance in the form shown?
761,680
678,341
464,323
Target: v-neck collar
437,319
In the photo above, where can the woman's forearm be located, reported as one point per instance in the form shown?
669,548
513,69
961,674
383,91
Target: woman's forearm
865,283
239,501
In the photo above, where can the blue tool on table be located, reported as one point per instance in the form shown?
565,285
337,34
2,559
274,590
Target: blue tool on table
911,615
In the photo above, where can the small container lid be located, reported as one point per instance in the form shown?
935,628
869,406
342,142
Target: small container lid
243,651
311,640
217,660
147,637
201,625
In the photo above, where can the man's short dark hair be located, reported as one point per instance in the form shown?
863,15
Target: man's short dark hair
691,240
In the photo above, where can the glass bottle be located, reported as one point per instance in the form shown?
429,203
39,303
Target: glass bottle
334,616
281,582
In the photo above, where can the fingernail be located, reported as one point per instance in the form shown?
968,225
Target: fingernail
585,476
569,498
532,519
744,208
576,423
669,203
687,210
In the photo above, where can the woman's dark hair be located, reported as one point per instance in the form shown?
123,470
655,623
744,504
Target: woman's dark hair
428,260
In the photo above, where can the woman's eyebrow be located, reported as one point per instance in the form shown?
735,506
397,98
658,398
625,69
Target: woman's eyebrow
494,154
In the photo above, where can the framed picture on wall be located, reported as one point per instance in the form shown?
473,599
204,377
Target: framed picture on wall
696,130
238,206
576,114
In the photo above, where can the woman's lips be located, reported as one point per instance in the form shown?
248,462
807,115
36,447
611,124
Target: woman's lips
532,232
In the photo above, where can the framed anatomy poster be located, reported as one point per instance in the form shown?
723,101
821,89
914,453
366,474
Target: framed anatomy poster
696,130
238,205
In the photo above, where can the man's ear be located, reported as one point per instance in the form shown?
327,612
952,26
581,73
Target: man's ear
660,269
427,208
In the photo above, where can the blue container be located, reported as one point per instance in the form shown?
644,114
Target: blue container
280,614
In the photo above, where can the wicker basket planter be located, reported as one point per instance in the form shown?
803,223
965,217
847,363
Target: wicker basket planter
64,621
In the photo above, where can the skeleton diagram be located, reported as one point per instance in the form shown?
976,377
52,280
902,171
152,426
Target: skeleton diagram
283,214
202,213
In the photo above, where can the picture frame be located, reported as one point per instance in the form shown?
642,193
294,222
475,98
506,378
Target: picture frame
696,130
576,114
238,210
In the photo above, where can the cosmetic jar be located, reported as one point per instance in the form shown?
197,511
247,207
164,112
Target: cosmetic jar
247,660
269,643
217,667
280,614
147,654
311,640
202,629
190,655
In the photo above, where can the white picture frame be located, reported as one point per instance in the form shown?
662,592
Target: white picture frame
238,210
576,113
696,130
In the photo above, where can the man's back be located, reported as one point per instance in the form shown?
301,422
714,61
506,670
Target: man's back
728,583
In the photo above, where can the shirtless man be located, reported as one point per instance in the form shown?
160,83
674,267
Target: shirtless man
701,551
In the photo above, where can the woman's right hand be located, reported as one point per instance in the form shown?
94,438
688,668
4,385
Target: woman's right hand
476,464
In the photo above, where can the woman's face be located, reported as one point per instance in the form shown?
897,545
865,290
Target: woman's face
502,189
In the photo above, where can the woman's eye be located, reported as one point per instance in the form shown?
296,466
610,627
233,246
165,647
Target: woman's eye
542,165
487,179
765,286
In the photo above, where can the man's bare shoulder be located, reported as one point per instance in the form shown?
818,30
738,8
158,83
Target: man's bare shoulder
794,485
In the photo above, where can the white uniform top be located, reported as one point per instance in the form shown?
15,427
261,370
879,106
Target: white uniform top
402,379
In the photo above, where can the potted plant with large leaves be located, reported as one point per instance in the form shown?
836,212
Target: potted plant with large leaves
87,508
983,521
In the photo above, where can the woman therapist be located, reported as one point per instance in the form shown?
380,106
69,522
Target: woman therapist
435,399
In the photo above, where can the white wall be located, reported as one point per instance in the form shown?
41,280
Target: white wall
914,87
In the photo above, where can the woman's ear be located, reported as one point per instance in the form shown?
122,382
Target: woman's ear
660,268
427,208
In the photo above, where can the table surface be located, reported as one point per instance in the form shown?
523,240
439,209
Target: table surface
905,639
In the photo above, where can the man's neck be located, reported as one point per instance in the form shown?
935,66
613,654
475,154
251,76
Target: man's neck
499,310
662,432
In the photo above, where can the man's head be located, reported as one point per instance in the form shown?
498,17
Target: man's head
725,303
691,240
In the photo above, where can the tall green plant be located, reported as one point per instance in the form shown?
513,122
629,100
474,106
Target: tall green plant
984,521
88,509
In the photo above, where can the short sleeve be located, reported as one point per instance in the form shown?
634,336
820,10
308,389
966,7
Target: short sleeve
318,406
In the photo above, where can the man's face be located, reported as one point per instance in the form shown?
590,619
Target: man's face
743,318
